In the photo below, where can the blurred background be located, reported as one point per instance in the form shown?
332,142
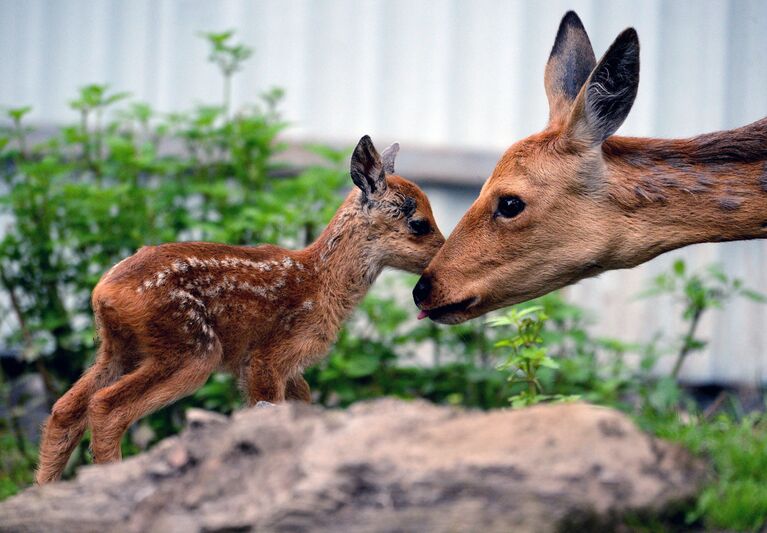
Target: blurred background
248,147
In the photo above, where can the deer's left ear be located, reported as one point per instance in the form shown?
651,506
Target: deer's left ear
367,168
606,99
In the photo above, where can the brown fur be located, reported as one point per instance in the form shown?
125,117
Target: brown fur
595,202
170,315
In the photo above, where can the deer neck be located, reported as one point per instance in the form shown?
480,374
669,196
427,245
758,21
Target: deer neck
672,193
344,261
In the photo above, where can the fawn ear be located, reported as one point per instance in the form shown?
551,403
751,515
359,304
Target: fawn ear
606,99
570,63
367,169
389,156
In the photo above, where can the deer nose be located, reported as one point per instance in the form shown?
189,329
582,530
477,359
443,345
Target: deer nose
422,289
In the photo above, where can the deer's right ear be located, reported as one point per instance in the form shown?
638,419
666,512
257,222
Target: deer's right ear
367,169
605,101
570,63
389,156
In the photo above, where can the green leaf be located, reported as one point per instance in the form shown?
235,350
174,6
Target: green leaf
754,296
17,113
548,362
679,267
361,365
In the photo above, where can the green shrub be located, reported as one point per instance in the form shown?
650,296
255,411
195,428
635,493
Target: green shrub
737,498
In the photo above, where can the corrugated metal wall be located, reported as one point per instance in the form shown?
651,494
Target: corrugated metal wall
458,74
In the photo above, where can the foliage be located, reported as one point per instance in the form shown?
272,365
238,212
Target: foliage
17,456
16,470
698,292
228,58
527,353
596,369
737,499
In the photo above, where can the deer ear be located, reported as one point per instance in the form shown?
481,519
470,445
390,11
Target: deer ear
388,156
606,99
570,63
367,168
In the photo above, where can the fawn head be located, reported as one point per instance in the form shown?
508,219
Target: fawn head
395,212
544,218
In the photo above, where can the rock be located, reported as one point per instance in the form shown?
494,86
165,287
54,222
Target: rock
197,418
384,466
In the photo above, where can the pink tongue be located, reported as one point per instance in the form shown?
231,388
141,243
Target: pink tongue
422,315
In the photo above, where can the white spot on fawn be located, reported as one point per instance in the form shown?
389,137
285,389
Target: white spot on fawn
229,283
185,297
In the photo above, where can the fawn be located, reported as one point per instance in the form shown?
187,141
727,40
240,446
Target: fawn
574,201
171,314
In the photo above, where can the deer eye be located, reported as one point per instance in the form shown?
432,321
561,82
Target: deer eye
509,206
419,227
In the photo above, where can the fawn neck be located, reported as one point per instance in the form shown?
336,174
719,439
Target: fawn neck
345,261
671,193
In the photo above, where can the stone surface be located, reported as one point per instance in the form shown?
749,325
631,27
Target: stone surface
383,466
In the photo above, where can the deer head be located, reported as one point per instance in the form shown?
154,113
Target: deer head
572,201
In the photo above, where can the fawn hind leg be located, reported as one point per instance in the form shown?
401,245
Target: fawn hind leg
65,426
161,379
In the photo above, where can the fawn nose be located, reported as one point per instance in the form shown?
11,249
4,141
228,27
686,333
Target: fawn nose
422,289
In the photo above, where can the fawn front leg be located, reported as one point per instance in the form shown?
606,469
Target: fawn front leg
273,376
298,389
264,383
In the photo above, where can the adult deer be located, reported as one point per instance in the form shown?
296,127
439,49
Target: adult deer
171,314
573,201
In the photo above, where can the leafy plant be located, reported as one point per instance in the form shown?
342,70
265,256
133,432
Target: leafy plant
737,498
698,292
228,58
527,353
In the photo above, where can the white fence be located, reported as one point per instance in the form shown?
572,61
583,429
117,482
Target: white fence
454,74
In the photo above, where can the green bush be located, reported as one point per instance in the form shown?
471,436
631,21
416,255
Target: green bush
737,449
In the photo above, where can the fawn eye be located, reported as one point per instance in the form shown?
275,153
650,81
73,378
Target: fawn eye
419,227
509,206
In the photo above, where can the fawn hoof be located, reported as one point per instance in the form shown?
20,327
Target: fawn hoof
262,404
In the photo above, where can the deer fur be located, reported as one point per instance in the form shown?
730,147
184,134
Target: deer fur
170,315
593,201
